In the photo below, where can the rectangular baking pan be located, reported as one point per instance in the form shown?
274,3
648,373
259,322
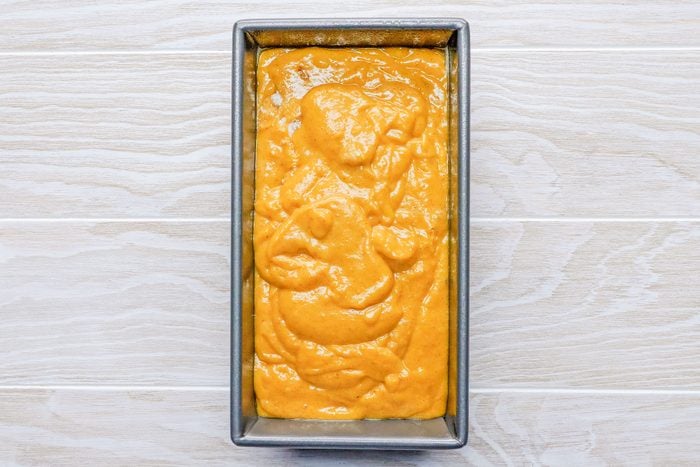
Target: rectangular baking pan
249,37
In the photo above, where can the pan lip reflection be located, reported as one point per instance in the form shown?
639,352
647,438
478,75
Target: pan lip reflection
245,430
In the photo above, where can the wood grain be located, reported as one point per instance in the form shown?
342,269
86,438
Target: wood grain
585,305
114,303
554,305
188,25
599,134
553,134
68,427
126,136
585,336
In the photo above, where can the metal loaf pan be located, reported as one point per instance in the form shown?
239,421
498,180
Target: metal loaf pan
249,37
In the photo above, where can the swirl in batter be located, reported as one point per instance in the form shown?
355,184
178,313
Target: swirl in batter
350,234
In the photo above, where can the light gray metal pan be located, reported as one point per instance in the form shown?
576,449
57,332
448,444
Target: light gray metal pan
249,37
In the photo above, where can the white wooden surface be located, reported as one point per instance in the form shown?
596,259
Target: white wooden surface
114,251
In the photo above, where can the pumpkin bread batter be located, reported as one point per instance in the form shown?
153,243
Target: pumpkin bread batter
350,234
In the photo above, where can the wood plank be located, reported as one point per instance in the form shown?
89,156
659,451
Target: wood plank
585,305
599,134
123,136
554,134
554,305
114,303
187,25
68,427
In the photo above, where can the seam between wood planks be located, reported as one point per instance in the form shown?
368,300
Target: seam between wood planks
474,390
477,50
474,220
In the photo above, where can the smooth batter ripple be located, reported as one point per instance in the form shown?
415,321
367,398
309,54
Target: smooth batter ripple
350,234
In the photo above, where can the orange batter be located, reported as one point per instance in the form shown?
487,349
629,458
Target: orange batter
351,248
